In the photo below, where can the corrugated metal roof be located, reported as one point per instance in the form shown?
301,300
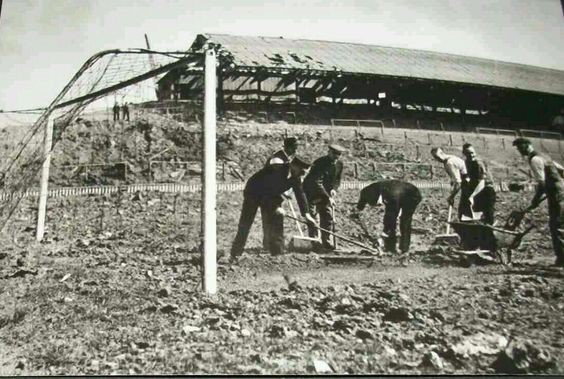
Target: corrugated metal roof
389,61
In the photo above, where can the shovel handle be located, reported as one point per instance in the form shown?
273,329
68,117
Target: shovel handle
448,219
333,225
294,214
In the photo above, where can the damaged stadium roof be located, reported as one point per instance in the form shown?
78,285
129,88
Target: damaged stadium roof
282,55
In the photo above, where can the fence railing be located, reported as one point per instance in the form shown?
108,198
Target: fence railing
358,123
197,187
539,134
497,131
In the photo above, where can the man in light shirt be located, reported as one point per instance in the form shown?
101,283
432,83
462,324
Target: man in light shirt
538,164
456,171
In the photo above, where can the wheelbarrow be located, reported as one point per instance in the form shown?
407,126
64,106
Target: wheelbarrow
486,242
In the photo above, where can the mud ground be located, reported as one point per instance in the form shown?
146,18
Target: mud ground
115,289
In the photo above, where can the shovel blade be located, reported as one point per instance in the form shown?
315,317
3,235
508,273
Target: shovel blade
302,244
447,239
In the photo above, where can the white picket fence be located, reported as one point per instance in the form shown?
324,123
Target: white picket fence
221,187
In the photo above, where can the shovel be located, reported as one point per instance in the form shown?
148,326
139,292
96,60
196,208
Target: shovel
301,242
476,216
333,225
370,249
298,225
447,238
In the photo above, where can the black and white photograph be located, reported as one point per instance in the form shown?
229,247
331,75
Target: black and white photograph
276,188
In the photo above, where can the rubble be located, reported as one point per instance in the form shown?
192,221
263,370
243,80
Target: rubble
523,357
480,343
398,315
432,359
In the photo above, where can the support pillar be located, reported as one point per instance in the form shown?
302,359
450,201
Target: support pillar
42,208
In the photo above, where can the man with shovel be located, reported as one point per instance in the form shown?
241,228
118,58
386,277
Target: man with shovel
538,164
396,196
286,154
282,156
478,193
264,189
320,186
455,169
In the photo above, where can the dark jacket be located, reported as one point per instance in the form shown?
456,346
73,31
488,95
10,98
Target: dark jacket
476,171
281,154
272,181
394,192
324,176
554,186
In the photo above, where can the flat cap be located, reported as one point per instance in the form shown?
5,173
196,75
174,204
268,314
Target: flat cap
290,141
299,162
521,141
338,148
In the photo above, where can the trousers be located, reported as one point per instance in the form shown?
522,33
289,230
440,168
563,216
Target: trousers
556,226
273,224
391,213
323,208
483,202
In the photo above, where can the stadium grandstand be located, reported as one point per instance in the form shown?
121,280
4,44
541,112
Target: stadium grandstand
307,81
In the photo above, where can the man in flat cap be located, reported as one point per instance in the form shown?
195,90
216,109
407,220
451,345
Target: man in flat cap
538,163
264,190
320,186
395,195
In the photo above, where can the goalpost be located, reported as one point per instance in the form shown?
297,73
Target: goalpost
102,74
209,185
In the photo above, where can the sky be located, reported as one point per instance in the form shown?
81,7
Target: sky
44,42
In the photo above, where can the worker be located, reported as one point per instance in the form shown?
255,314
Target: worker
320,186
264,189
554,188
478,193
456,171
396,196
284,155
537,164
125,112
116,111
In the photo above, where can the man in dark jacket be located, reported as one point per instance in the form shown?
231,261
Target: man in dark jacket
478,193
116,111
264,189
125,112
395,195
284,155
320,186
